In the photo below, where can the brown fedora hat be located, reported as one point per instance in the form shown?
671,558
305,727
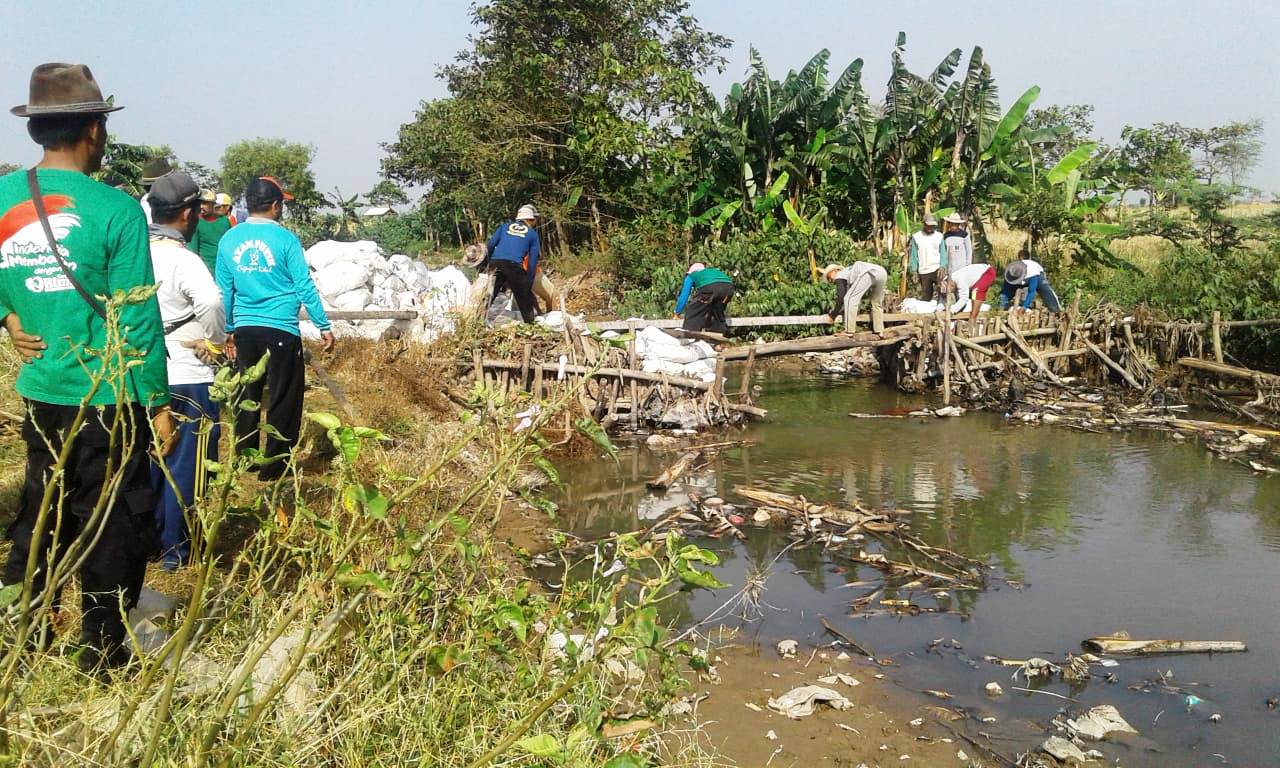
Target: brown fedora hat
63,89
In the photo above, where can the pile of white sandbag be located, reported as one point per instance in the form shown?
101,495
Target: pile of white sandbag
358,276
663,353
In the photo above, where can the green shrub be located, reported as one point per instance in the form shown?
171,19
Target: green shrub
770,271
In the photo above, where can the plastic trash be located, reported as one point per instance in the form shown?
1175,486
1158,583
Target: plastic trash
802,701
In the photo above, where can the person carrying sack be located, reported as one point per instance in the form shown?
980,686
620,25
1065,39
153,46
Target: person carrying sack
64,240
513,253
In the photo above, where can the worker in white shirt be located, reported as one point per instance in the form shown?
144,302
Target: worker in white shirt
971,283
192,310
928,258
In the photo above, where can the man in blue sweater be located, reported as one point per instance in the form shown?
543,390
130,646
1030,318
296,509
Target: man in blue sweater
264,279
513,254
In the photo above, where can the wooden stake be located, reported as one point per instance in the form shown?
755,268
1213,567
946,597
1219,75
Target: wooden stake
1112,364
524,366
1217,336
744,391
633,360
1011,331
946,357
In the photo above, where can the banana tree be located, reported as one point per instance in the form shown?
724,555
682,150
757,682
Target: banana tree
1060,203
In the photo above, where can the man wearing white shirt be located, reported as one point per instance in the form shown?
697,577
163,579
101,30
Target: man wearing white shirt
928,258
193,313
971,283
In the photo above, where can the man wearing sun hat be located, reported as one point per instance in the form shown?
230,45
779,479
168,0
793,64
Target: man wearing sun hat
264,281
48,302
852,283
222,203
152,170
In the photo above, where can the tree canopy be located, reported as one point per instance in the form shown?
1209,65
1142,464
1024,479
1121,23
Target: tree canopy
289,162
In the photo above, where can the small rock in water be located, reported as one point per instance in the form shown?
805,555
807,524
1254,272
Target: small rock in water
1050,418
1215,717
662,442
761,517
994,689
714,501
771,736
962,756
787,648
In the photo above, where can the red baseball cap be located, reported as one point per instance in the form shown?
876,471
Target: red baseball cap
276,182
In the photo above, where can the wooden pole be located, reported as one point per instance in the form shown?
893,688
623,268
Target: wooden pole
1112,364
744,392
633,361
946,356
1011,331
1217,336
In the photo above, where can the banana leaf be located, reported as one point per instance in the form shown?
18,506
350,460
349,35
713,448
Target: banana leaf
1070,162
1010,122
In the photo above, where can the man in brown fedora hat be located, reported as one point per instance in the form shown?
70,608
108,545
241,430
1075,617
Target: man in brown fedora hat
66,240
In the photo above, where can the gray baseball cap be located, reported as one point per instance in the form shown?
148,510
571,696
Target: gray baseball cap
175,189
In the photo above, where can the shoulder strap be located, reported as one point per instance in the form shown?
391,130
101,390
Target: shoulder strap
33,184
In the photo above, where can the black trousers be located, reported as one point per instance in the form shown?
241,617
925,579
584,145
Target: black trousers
929,285
114,567
284,383
508,274
706,308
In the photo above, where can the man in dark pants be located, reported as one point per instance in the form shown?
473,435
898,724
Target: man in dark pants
704,297
102,506
513,254
264,281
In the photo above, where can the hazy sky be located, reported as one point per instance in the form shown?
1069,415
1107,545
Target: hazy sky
344,75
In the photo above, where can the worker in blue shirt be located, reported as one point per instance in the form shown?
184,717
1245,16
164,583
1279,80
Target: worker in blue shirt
513,254
264,280
1029,274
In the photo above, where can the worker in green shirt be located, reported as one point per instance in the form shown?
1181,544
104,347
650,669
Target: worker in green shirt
209,230
104,521
704,297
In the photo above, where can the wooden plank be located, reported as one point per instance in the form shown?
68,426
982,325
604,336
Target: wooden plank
1124,646
820,344
746,322
600,373
366,314
1112,364
1222,369
969,344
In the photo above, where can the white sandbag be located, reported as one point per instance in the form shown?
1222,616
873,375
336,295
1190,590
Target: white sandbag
341,277
353,300
655,365
326,253
381,298
918,307
702,370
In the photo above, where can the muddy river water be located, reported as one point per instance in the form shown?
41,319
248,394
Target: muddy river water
1086,534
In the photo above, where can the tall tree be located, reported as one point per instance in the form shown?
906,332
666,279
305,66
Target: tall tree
559,102
289,162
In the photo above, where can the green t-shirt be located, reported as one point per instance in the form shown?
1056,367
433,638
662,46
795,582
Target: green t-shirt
205,241
708,276
103,237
